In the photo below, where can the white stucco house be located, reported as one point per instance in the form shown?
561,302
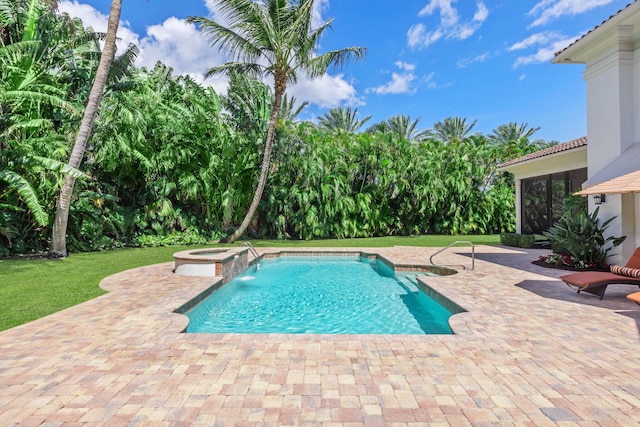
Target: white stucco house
543,180
611,55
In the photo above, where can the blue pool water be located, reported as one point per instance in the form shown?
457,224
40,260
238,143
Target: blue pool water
320,295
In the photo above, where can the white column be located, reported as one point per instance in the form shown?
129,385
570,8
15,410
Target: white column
518,206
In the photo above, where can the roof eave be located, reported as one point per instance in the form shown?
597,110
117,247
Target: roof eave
525,163
575,53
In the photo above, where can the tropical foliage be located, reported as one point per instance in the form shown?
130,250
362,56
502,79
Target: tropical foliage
452,129
403,127
512,131
171,161
580,235
274,38
342,119
373,184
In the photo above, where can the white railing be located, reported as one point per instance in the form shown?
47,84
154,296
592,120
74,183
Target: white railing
253,251
473,255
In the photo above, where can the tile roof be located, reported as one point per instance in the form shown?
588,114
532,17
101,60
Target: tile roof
595,28
576,143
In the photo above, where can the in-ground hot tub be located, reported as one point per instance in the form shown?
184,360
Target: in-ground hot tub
225,262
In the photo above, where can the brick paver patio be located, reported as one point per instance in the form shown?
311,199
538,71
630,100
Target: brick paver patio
529,351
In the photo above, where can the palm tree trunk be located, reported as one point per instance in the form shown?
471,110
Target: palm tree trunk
280,87
59,232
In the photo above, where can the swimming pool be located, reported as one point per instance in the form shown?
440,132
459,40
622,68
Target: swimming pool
320,295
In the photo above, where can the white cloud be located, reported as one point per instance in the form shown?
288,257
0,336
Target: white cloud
399,83
180,46
319,6
177,44
405,66
326,92
211,6
418,36
449,26
482,13
545,53
448,15
183,48
406,82
465,31
465,62
98,21
549,10
429,81
536,39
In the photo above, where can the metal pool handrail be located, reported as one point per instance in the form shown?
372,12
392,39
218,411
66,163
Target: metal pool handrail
473,255
253,251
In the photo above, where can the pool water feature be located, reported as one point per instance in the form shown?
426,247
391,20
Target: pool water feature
225,262
320,295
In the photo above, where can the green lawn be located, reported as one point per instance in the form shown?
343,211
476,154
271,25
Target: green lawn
33,288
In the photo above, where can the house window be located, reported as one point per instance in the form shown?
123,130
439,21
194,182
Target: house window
543,198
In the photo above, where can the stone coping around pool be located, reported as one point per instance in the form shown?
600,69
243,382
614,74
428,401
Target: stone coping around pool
217,254
418,268
184,308
439,298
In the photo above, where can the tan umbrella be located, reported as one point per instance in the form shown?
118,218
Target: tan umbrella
629,183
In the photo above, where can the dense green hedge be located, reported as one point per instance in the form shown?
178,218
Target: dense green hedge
517,240
360,185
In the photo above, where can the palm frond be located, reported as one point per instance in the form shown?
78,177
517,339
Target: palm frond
27,193
318,65
250,69
290,110
121,66
32,96
229,42
31,124
52,165
13,53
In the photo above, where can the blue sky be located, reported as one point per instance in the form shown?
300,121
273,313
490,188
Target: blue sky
486,60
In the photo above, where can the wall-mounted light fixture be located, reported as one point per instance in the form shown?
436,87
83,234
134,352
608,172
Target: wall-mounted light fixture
599,199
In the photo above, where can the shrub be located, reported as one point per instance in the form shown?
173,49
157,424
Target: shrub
188,237
579,234
567,260
517,240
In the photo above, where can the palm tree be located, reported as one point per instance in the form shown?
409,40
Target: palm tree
452,129
403,127
511,131
406,128
270,38
290,109
342,119
59,233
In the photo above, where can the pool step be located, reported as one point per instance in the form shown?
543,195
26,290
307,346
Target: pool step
410,283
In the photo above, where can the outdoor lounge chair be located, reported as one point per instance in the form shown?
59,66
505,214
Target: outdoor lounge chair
596,282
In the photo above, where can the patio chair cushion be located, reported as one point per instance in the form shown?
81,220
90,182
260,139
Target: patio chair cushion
625,271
